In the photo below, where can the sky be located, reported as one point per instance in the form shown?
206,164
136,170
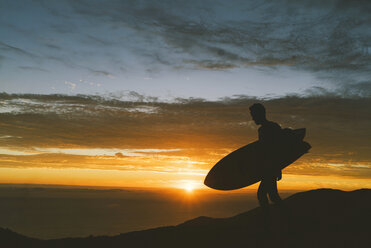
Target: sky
154,93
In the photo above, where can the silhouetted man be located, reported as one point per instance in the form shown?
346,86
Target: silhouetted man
269,137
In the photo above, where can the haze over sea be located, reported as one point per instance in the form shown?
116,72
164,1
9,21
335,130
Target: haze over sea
50,211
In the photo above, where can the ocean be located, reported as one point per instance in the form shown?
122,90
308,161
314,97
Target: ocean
49,212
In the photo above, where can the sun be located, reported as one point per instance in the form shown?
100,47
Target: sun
189,187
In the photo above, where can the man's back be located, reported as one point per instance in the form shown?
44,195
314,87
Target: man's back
270,133
270,136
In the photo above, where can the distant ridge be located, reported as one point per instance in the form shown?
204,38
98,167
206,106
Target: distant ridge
316,218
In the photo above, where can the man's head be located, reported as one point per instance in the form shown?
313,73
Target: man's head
257,112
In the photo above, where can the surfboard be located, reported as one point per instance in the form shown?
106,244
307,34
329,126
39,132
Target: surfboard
243,167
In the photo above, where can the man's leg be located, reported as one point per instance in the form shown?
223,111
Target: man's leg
273,191
282,213
264,205
262,194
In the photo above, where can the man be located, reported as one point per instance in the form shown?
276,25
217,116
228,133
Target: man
270,135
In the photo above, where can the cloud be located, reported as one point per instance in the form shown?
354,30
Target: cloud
71,85
88,151
120,155
16,50
32,68
211,65
97,40
53,46
131,96
101,73
188,129
330,40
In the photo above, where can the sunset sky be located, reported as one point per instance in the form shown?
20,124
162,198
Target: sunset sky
154,93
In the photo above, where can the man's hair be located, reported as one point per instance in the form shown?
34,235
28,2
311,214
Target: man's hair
257,108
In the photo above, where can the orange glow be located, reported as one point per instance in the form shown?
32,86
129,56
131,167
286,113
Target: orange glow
104,144
167,168
151,179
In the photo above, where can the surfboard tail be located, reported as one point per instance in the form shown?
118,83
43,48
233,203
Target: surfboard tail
307,146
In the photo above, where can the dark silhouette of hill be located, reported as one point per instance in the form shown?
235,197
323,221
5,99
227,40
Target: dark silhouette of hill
317,218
